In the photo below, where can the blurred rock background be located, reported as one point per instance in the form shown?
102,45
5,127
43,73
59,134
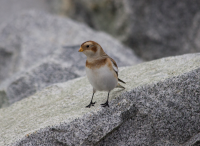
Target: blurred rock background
152,28
8,8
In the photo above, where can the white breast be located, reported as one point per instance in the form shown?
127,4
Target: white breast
102,79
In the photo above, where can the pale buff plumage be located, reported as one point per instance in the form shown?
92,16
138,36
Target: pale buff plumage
101,70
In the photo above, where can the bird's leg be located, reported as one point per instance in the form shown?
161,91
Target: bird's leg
106,103
91,103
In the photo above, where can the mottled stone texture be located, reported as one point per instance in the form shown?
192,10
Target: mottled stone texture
37,50
168,111
152,28
160,106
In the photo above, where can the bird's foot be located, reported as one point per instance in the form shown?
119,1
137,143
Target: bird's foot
91,104
105,104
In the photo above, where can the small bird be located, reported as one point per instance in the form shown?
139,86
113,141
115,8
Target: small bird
101,70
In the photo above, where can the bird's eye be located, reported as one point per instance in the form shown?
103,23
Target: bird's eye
87,46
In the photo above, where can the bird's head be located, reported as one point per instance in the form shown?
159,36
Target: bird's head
91,49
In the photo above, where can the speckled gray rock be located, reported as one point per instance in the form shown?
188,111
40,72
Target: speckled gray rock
160,106
31,44
152,28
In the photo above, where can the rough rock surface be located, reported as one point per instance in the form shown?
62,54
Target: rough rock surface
152,28
160,106
32,45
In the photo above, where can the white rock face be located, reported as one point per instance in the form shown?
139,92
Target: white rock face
160,106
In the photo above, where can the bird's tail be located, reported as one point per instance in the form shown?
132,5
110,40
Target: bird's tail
121,81
120,86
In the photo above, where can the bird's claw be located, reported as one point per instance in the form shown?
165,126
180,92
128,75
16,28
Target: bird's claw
105,104
91,104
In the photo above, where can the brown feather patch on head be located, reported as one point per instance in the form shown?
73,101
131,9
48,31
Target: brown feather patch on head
94,48
92,42
90,45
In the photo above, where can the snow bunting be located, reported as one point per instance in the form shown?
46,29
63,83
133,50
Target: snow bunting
101,70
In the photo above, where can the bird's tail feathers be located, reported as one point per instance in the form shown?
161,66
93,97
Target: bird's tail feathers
121,81
120,86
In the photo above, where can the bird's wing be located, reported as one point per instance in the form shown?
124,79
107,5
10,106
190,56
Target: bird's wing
114,65
115,68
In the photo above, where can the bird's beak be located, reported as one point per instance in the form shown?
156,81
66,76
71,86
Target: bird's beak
80,50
